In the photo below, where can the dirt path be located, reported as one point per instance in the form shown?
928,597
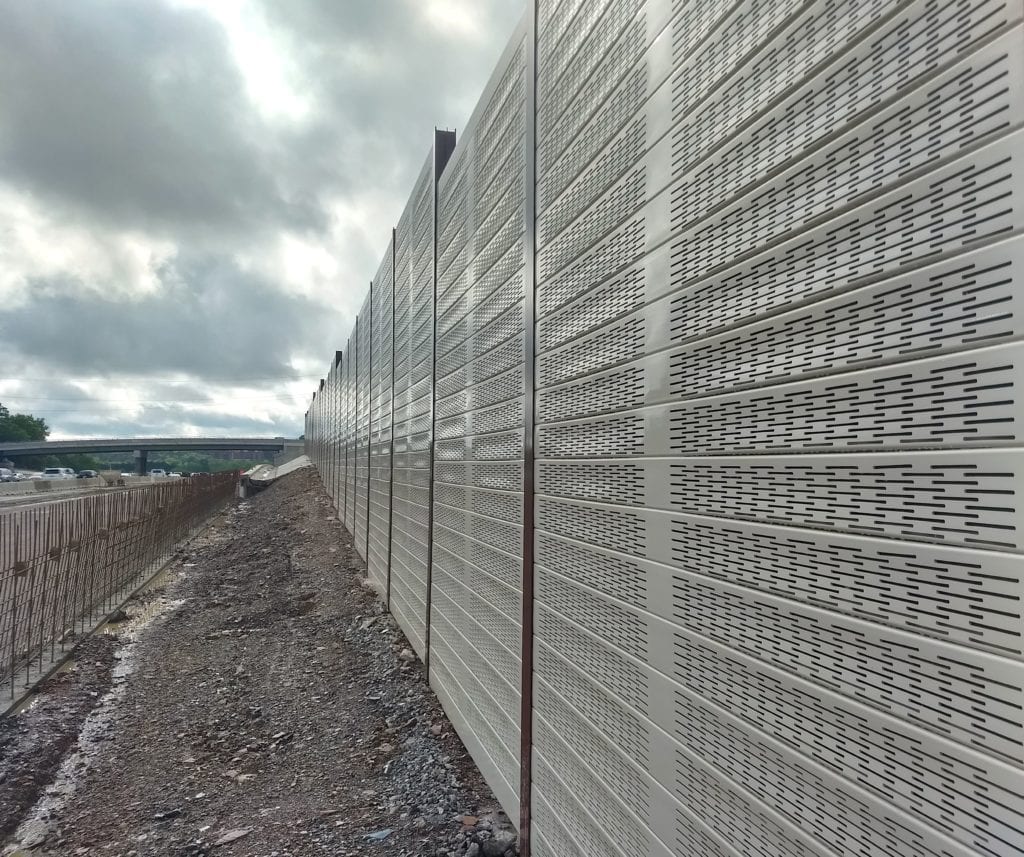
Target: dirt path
271,709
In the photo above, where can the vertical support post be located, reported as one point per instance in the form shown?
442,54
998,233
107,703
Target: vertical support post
529,408
141,461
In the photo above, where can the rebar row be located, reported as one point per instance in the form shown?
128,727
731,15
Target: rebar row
65,564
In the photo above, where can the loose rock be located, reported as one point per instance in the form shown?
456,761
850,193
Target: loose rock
268,706
232,836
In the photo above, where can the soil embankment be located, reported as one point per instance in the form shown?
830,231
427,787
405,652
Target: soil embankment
269,708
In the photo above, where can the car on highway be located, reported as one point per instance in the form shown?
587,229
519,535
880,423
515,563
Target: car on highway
174,474
7,475
87,474
156,471
58,473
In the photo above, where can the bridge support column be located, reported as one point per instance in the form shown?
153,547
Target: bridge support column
141,461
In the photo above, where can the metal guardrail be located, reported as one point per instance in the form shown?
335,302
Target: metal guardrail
65,565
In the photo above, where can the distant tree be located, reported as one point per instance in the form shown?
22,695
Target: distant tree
21,427
25,427
80,461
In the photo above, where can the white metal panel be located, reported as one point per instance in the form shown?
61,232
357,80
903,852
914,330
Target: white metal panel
778,562
476,595
351,357
363,420
414,314
380,475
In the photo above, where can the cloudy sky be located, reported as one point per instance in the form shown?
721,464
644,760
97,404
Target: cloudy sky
194,195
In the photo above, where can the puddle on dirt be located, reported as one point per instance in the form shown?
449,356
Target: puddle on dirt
145,606
30,699
149,604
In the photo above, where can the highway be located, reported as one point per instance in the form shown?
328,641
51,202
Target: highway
64,490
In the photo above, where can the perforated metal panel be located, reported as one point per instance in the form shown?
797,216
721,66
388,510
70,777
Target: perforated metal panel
340,451
414,319
476,597
379,488
329,429
321,446
351,413
344,405
313,434
778,552
772,354
320,401
323,415
335,404
313,438
364,404
328,432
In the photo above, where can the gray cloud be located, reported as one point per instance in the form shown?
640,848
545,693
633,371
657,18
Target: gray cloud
128,123
133,113
154,422
208,320
167,407
382,97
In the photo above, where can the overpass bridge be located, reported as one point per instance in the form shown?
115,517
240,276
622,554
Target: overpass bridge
140,447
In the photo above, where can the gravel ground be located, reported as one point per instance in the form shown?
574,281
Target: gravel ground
34,743
265,707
